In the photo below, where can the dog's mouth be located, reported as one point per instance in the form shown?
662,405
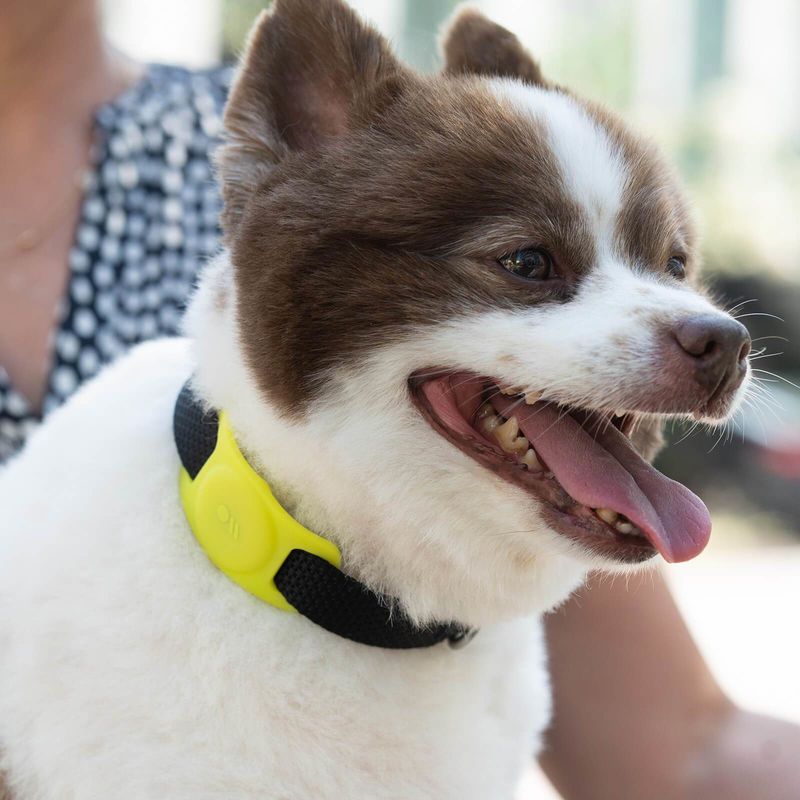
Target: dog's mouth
580,464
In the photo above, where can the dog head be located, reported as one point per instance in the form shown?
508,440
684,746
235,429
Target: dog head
464,301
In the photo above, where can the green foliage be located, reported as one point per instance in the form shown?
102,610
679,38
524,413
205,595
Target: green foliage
596,57
237,17
423,19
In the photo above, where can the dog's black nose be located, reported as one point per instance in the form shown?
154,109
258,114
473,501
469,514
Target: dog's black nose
717,347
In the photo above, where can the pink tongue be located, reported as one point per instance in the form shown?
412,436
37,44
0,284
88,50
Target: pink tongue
599,468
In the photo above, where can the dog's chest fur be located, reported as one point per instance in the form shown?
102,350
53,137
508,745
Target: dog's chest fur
368,211
131,668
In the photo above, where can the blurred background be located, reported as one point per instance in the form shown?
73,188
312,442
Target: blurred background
717,84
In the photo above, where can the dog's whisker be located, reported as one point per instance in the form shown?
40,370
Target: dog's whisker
777,377
762,338
688,433
760,314
732,311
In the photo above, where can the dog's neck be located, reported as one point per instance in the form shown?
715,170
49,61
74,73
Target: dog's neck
433,577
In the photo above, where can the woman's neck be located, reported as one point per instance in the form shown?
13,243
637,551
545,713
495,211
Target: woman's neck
54,69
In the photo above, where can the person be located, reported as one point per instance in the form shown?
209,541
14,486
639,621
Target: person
638,714
108,209
108,205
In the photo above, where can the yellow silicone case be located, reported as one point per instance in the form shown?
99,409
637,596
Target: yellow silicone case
239,523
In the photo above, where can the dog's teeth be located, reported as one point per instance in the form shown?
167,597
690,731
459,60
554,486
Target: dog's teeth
518,446
531,461
607,515
533,397
491,423
618,521
507,433
486,410
511,390
625,527
620,412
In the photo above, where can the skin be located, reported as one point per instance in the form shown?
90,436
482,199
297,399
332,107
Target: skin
54,70
648,719
638,713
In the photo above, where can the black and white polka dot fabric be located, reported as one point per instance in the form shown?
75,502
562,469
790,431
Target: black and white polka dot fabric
149,219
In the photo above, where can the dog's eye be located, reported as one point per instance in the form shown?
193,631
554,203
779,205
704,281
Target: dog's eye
530,263
676,268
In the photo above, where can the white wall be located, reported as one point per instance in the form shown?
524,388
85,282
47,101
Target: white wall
165,31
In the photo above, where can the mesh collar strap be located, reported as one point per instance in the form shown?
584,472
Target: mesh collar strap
261,547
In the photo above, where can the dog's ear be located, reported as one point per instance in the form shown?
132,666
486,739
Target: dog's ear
312,70
474,45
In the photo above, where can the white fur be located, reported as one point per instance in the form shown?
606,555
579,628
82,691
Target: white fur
579,358
596,351
131,668
414,516
592,170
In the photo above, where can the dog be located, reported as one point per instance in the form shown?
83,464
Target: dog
450,318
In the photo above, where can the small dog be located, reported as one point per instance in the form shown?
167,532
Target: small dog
452,314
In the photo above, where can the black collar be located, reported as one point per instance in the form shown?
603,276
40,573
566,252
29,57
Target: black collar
310,584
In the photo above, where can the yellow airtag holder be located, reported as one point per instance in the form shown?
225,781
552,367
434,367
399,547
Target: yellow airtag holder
239,523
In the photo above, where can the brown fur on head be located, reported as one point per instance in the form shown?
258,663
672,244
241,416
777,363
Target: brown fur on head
371,214
324,126
314,71
474,45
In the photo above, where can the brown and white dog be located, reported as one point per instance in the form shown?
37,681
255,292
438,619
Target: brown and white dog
452,314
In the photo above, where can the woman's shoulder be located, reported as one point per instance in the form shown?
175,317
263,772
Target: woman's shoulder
170,99
149,218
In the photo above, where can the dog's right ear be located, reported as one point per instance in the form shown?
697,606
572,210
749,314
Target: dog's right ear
474,45
312,70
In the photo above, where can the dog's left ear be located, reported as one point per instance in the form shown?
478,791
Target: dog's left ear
312,71
474,45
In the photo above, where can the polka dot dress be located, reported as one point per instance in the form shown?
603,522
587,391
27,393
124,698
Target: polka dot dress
149,219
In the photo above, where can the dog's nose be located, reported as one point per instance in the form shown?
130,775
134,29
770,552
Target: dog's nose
717,347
